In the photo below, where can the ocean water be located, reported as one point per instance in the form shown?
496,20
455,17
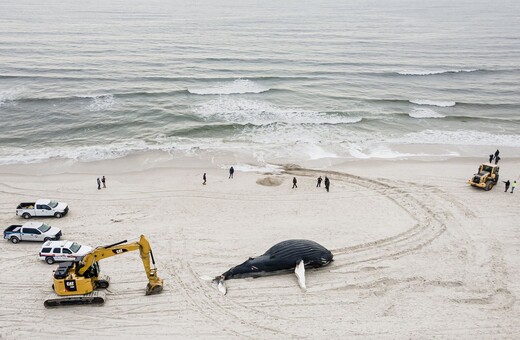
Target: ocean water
98,79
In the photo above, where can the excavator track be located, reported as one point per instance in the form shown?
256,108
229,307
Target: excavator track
94,298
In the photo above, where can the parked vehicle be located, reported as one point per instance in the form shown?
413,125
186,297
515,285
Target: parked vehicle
55,251
42,207
31,231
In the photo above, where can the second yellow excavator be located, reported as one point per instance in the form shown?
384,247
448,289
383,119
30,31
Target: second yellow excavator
75,282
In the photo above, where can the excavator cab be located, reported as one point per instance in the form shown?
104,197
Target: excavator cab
486,177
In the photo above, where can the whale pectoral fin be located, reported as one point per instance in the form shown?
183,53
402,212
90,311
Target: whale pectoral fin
299,271
221,286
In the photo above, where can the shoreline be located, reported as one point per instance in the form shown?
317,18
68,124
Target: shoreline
222,160
183,158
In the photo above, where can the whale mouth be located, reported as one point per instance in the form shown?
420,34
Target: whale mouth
325,261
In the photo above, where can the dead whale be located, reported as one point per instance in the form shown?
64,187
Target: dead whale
287,255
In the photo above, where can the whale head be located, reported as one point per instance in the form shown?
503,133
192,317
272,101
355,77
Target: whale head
247,268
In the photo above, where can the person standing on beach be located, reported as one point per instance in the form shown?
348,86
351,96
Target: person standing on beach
327,183
497,159
318,185
103,181
294,181
513,186
496,153
204,179
507,185
98,184
231,172
490,158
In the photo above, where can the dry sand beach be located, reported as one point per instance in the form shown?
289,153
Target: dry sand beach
418,253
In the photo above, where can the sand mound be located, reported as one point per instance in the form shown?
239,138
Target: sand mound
290,166
270,181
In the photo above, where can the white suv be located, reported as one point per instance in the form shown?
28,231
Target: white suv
54,251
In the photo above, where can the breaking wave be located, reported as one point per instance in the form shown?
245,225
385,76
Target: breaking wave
433,72
101,103
8,95
432,102
238,86
239,110
458,137
425,113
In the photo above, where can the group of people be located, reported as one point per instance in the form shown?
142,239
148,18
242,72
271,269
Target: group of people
318,185
231,172
508,184
101,181
326,182
495,157
295,181
513,186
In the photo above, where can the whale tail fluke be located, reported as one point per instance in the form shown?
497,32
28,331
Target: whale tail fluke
299,271
221,285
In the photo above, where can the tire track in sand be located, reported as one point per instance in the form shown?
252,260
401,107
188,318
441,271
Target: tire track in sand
428,227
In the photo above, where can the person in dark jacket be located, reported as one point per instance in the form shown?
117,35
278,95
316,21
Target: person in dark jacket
507,185
98,184
294,181
491,158
204,179
318,185
496,153
497,159
327,183
103,181
231,172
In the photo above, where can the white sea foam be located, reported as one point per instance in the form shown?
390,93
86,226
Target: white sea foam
458,137
432,102
270,143
83,153
432,72
9,95
378,152
316,152
101,103
239,110
238,86
424,113
264,168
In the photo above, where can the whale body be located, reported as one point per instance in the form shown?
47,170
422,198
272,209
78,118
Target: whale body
284,256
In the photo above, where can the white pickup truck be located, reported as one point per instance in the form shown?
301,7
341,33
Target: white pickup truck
42,207
31,231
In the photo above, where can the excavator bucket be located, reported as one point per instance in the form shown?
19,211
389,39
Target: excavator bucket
154,287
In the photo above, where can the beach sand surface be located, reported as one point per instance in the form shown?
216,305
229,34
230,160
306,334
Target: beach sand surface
418,253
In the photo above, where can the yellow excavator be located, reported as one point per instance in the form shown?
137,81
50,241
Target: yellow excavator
75,282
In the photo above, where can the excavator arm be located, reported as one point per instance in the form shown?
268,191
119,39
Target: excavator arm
155,284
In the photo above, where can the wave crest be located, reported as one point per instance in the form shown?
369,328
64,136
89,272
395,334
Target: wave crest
239,110
101,103
434,72
425,113
238,86
458,137
9,95
432,102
